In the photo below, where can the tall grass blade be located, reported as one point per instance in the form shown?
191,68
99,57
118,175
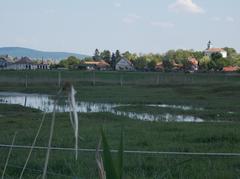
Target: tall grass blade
9,154
120,156
50,136
101,171
33,145
73,117
108,161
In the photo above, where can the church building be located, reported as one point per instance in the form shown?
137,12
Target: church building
210,50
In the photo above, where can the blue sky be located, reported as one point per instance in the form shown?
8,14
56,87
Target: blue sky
140,26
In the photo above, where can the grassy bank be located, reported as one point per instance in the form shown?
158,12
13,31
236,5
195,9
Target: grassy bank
139,135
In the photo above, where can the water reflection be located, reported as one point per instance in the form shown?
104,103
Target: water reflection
182,107
46,103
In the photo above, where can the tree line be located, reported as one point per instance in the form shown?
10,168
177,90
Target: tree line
168,60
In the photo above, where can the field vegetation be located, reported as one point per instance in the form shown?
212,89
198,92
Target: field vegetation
216,94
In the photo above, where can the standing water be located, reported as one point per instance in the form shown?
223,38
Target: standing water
46,103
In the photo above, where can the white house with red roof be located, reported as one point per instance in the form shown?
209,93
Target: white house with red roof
210,50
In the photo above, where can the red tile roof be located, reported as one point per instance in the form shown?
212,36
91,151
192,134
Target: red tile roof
193,61
24,60
215,50
231,69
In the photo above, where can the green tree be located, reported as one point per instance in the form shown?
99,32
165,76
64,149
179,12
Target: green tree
140,63
106,56
118,55
113,61
222,62
96,56
152,64
204,63
167,64
198,55
181,56
129,56
170,55
69,62
87,59
231,52
216,56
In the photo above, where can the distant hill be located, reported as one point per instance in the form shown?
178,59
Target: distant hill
36,54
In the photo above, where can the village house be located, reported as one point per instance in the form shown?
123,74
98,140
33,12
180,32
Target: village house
124,65
159,66
5,60
43,65
192,65
177,67
94,65
26,63
210,50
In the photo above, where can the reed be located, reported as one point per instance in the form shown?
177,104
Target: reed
107,169
9,154
33,145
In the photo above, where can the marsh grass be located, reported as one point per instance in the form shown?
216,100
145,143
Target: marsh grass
210,91
138,135
8,156
108,168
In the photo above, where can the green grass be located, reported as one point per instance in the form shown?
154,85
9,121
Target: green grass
218,94
139,135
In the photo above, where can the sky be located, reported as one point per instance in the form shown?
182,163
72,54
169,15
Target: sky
139,26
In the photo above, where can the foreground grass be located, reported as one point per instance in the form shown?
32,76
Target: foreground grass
139,135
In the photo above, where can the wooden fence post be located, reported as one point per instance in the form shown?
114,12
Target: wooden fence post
121,80
158,78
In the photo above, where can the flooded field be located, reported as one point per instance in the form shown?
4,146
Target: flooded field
46,103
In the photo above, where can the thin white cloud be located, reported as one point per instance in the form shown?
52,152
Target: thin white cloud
131,18
216,19
230,19
117,4
186,6
162,24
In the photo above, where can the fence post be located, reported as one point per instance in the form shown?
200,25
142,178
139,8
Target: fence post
59,79
121,80
158,78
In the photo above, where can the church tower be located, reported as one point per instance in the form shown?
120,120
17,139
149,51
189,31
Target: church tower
209,45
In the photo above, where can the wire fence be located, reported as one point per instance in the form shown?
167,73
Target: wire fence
28,78
175,159
125,151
